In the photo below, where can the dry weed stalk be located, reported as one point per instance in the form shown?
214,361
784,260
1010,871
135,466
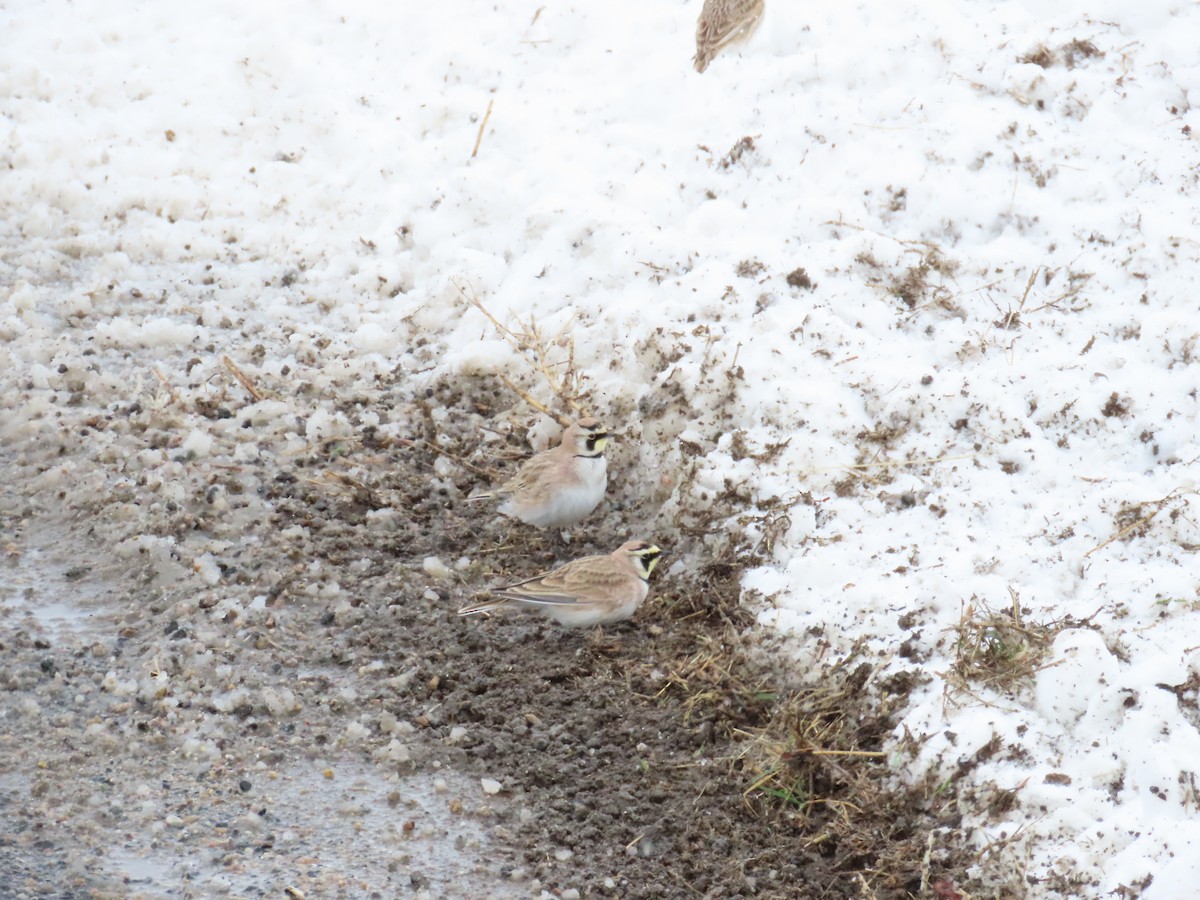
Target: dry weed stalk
525,39
531,341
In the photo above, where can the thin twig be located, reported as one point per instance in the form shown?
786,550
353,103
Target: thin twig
482,125
1124,531
524,395
867,753
491,476
243,379
474,301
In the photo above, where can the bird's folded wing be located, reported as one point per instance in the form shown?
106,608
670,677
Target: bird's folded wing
539,598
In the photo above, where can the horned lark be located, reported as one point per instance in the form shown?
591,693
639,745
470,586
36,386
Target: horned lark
591,591
559,486
724,22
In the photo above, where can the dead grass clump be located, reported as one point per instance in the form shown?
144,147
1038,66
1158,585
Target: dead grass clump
919,286
743,146
1077,50
915,286
799,278
749,268
1041,55
800,759
713,595
1069,54
999,649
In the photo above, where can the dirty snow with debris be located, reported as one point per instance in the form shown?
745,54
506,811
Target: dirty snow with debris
918,282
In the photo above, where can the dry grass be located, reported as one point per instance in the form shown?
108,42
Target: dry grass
1133,520
1015,315
823,762
482,127
801,757
243,379
999,650
815,750
920,285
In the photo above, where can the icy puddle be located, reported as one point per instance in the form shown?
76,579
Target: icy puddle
301,833
48,592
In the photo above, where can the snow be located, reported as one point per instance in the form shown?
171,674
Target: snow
301,177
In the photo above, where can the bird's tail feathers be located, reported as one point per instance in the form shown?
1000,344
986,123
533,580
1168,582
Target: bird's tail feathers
485,606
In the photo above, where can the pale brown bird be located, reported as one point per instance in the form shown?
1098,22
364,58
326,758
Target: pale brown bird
560,486
594,590
724,22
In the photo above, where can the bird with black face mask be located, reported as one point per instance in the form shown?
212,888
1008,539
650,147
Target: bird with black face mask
595,590
559,486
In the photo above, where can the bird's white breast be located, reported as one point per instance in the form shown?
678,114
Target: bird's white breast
572,500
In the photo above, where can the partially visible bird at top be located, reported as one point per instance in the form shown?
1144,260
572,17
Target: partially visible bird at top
559,486
724,22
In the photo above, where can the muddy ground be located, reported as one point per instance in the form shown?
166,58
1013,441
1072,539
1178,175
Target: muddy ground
232,665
